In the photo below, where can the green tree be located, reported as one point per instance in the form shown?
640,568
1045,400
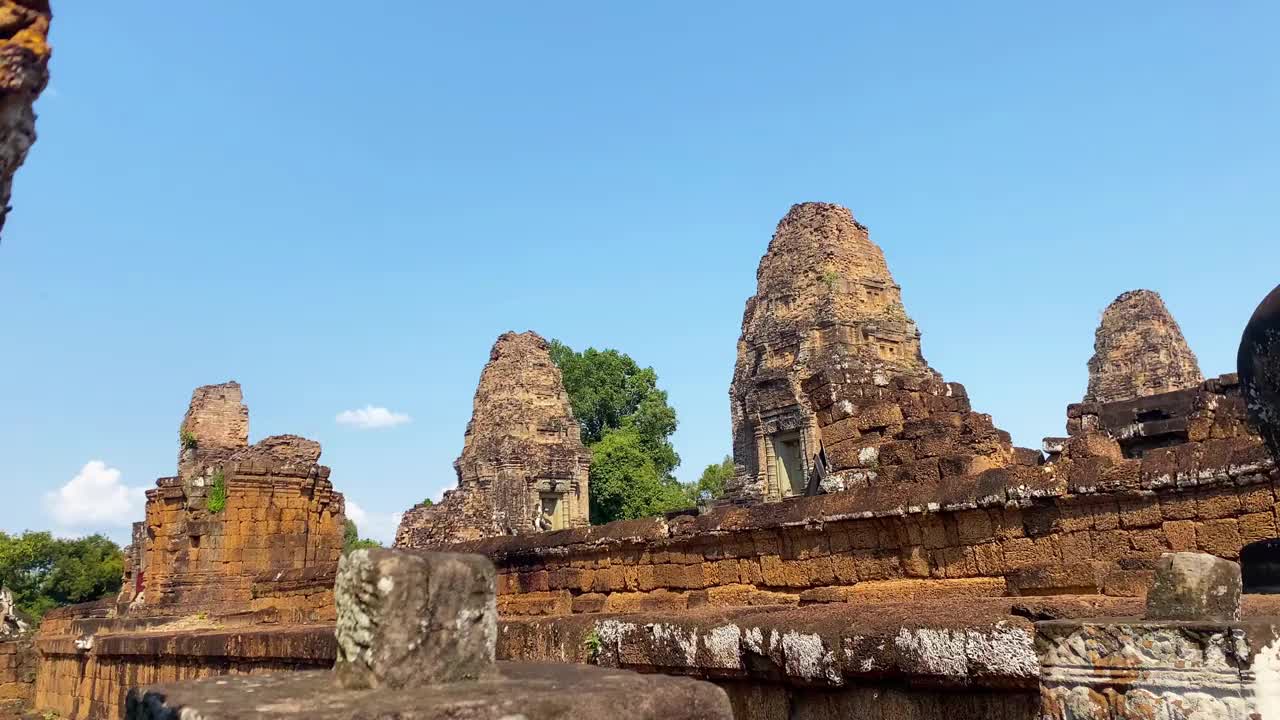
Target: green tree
711,483
44,572
351,539
625,483
627,422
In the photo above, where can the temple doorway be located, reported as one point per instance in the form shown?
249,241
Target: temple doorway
790,465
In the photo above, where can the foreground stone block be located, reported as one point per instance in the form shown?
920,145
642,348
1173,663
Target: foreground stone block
515,690
406,620
1194,586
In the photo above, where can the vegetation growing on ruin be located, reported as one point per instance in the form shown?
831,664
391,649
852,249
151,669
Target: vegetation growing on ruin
217,498
830,276
627,422
188,439
351,539
592,645
44,572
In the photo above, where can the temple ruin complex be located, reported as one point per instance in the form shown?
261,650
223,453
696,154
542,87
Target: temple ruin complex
523,466
24,73
830,390
883,549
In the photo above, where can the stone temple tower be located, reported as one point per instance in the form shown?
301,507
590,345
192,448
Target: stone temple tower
1139,351
523,466
830,389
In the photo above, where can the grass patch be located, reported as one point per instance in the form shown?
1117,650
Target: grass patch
188,439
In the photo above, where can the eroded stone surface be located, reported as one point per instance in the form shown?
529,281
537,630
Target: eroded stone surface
830,390
24,73
523,466
1259,367
1121,670
408,620
1139,351
1194,586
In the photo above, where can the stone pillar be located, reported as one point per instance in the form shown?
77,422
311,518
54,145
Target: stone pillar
407,619
1190,657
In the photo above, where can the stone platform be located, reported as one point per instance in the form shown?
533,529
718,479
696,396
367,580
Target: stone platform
533,691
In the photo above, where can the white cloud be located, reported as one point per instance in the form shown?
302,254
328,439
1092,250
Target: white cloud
374,525
372,418
95,499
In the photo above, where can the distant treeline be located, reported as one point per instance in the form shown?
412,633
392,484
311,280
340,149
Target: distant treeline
44,572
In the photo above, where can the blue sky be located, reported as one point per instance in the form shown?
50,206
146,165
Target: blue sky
343,205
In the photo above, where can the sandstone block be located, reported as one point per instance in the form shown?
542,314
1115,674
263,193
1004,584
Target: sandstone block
1194,586
406,620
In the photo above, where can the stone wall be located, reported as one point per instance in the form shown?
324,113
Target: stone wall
523,466
86,676
17,673
831,390
24,73
1092,522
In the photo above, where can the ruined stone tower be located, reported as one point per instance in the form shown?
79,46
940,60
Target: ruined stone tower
523,466
1139,351
24,73
216,426
830,389
237,520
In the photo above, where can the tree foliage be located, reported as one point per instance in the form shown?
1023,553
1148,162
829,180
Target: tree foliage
44,572
625,482
627,422
713,480
351,539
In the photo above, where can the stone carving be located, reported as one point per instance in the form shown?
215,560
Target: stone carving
1142,670
1139,351
830,390
11,625
523,466
24,73
1259,366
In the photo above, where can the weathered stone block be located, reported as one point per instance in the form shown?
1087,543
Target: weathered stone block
407,619
1194,586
